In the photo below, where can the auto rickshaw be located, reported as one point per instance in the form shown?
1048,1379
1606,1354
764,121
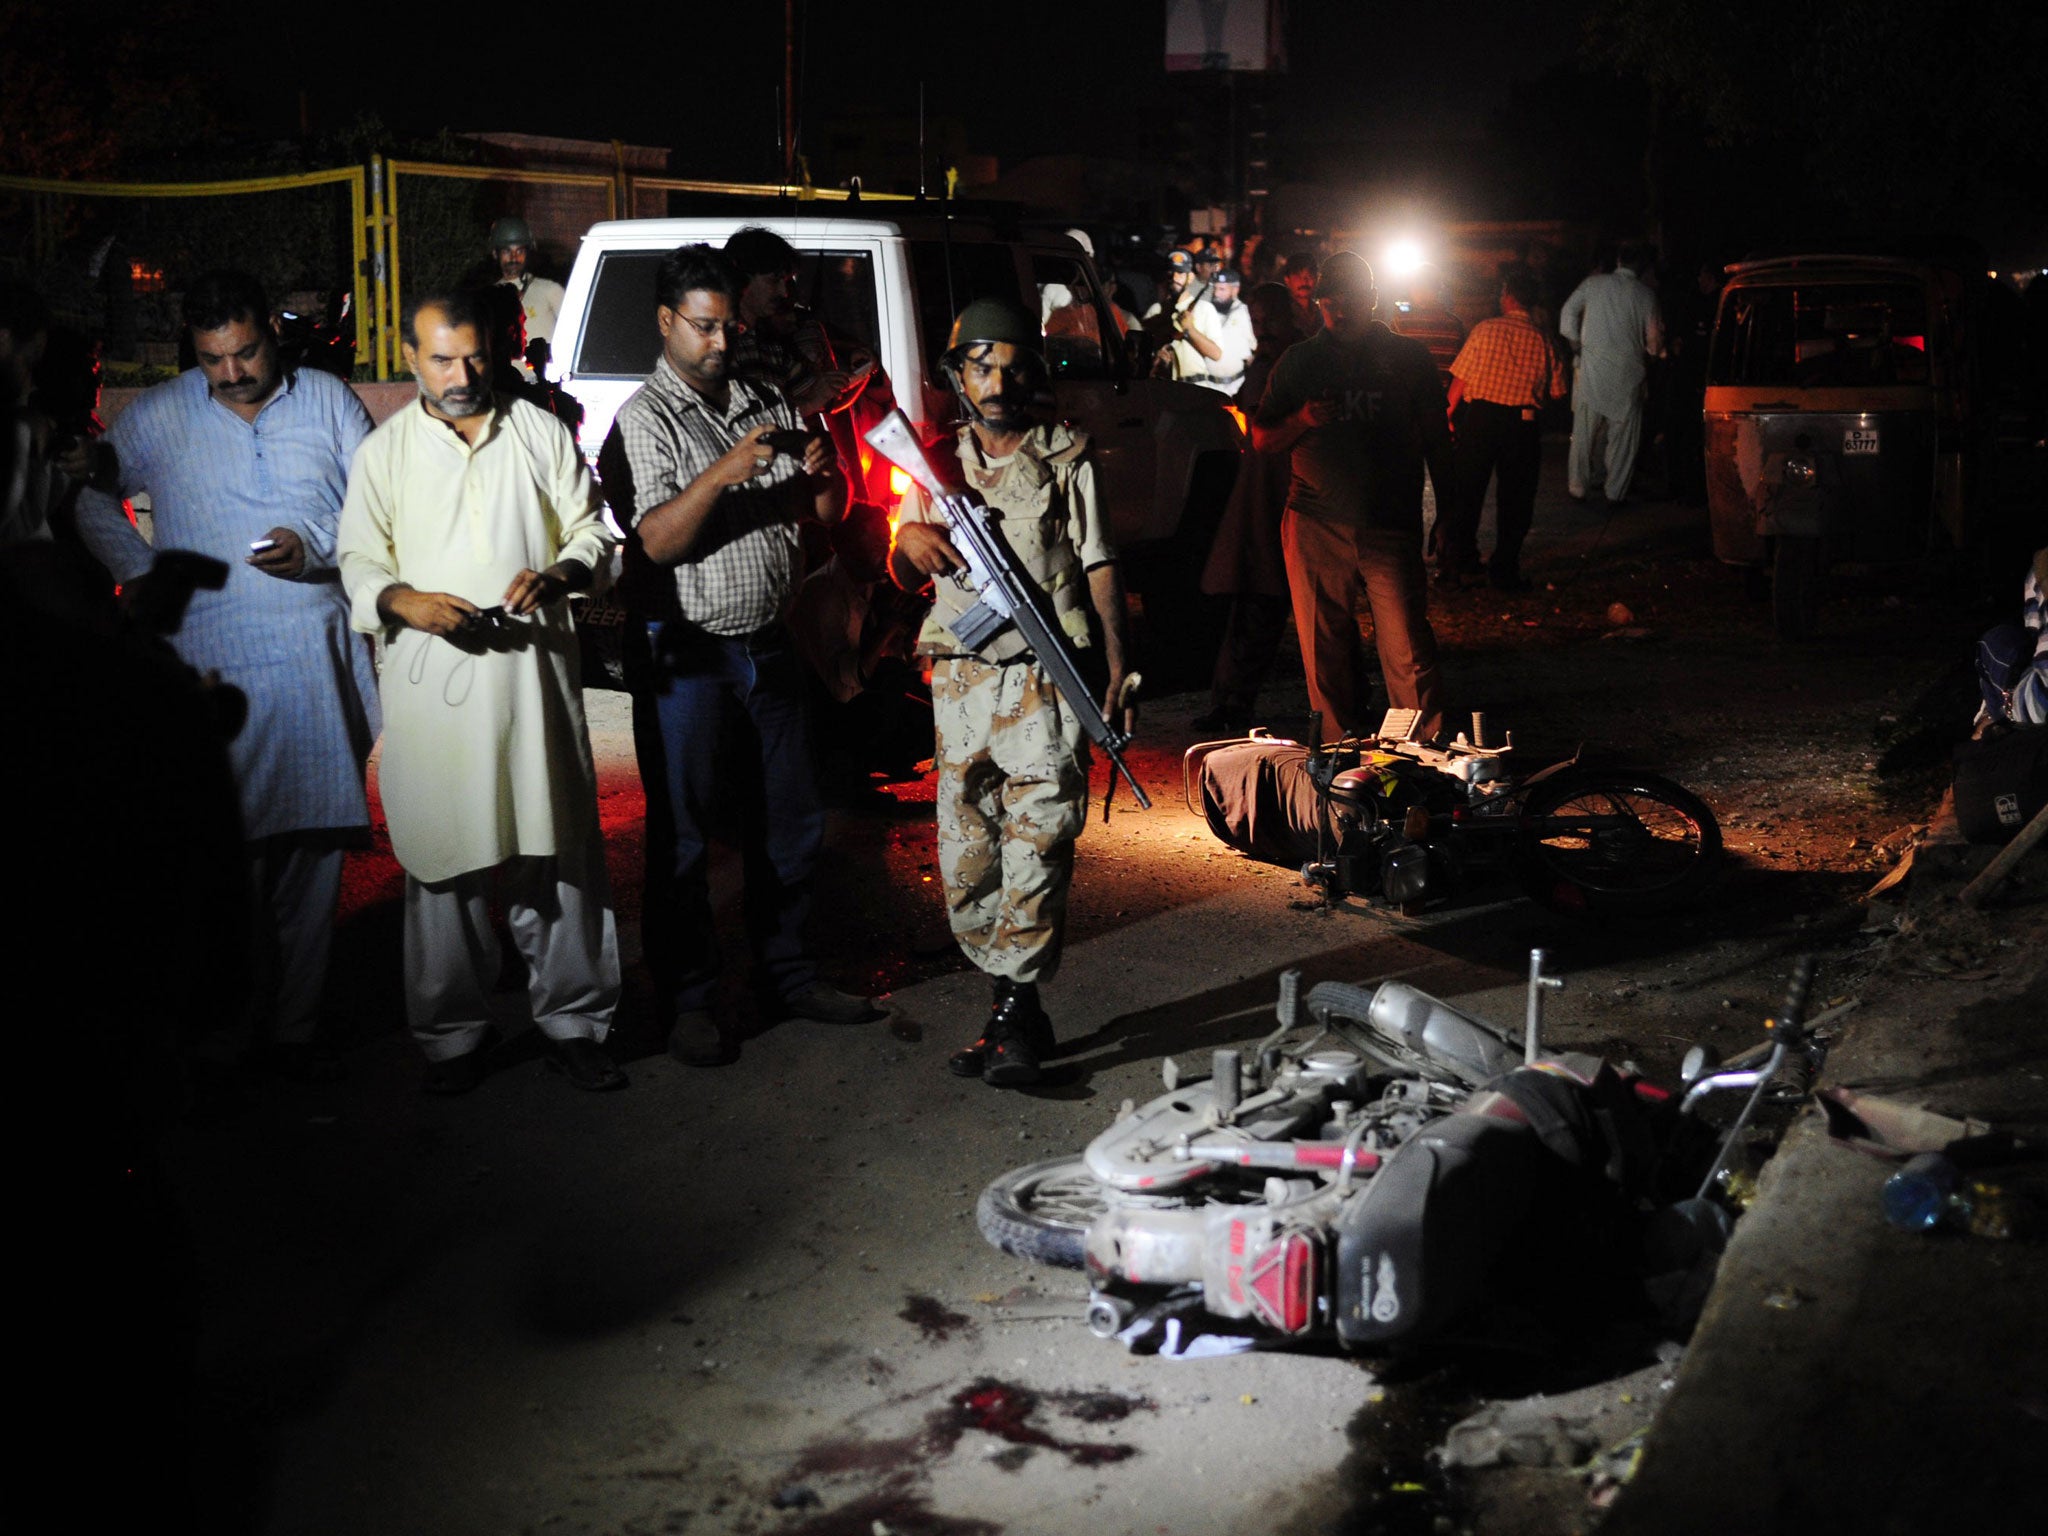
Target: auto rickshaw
1838,418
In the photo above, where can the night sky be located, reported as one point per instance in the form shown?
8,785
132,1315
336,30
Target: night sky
1056,76
1919,121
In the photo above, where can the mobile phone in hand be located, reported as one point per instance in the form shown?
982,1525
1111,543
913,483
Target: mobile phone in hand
259,546
788,440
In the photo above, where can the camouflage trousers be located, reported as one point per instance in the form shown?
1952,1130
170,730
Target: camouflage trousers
1012,797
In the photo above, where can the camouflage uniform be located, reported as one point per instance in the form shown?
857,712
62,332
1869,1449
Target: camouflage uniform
1012,759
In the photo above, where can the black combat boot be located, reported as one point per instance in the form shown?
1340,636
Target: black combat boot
969,1060
1019,1037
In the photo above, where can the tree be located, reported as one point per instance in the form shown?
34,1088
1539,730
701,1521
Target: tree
1902,116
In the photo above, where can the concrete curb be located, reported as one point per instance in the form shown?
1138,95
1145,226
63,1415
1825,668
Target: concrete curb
1846,1376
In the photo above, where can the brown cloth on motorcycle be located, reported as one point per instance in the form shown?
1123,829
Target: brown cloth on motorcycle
1258,798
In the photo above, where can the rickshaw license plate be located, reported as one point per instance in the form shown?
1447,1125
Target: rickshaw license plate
1859,440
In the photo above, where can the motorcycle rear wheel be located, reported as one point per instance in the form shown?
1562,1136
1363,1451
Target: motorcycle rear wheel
1042,1211
1616,843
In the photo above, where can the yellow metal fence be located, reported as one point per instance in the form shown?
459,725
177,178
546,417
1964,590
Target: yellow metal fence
384,176
352,176
375,221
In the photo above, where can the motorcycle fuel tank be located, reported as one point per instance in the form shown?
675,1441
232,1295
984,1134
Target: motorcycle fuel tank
1429,1035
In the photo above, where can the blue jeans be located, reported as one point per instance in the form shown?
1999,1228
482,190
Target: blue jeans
685,728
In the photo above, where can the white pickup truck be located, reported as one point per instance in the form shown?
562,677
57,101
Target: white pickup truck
1167,453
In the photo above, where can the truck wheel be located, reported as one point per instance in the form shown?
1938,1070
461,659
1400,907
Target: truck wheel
1042,1211
1795,586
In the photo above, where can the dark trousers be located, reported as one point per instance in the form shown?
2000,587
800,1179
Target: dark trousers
687,725
1493,439
1251,640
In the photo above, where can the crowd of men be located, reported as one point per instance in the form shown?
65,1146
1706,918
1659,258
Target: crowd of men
1350,396
453,534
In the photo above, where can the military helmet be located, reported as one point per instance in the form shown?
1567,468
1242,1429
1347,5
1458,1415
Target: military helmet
987,321
511,230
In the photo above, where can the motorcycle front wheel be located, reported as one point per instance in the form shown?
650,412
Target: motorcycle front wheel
1042,1211
1616,843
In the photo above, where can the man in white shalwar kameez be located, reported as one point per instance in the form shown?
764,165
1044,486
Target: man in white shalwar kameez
1611,321
468,521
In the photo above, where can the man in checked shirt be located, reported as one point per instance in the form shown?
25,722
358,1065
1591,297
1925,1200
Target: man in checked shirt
711,473
1504,375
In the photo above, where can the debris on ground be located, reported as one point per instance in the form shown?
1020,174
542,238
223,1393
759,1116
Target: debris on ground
1890,1128
1529,1433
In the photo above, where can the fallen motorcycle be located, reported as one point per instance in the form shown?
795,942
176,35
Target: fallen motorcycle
1402,821
1370,1174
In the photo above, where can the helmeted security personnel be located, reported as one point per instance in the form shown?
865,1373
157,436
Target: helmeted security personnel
512,248
1012,760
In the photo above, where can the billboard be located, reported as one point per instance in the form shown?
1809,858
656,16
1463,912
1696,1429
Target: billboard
1225,35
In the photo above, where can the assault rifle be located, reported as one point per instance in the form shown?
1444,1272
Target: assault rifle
1004,593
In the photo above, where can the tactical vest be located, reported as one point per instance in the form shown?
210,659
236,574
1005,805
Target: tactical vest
1029,496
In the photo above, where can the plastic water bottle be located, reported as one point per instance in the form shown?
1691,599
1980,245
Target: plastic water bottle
1920,1195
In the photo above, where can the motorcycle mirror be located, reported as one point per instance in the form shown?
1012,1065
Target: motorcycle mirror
1699,1061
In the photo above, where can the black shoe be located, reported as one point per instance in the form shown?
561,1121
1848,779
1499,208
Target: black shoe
828,1005
969,1060
696,1040
1019,1038
583,1062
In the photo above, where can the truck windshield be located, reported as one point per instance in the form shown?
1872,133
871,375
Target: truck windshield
621,341
1821,335
980,270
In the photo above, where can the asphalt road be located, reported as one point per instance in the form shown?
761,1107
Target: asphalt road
753,1299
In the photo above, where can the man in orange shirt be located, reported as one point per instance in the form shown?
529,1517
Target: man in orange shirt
1503,376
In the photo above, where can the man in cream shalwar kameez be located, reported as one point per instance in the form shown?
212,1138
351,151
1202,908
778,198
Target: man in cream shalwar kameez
1612,323
457,505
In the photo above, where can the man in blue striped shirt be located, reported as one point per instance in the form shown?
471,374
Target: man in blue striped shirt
248,464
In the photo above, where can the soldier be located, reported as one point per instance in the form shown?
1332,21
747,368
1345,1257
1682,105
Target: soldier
540,298
1012,763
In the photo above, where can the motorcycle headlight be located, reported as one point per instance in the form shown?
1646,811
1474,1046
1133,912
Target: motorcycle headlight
1404,873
